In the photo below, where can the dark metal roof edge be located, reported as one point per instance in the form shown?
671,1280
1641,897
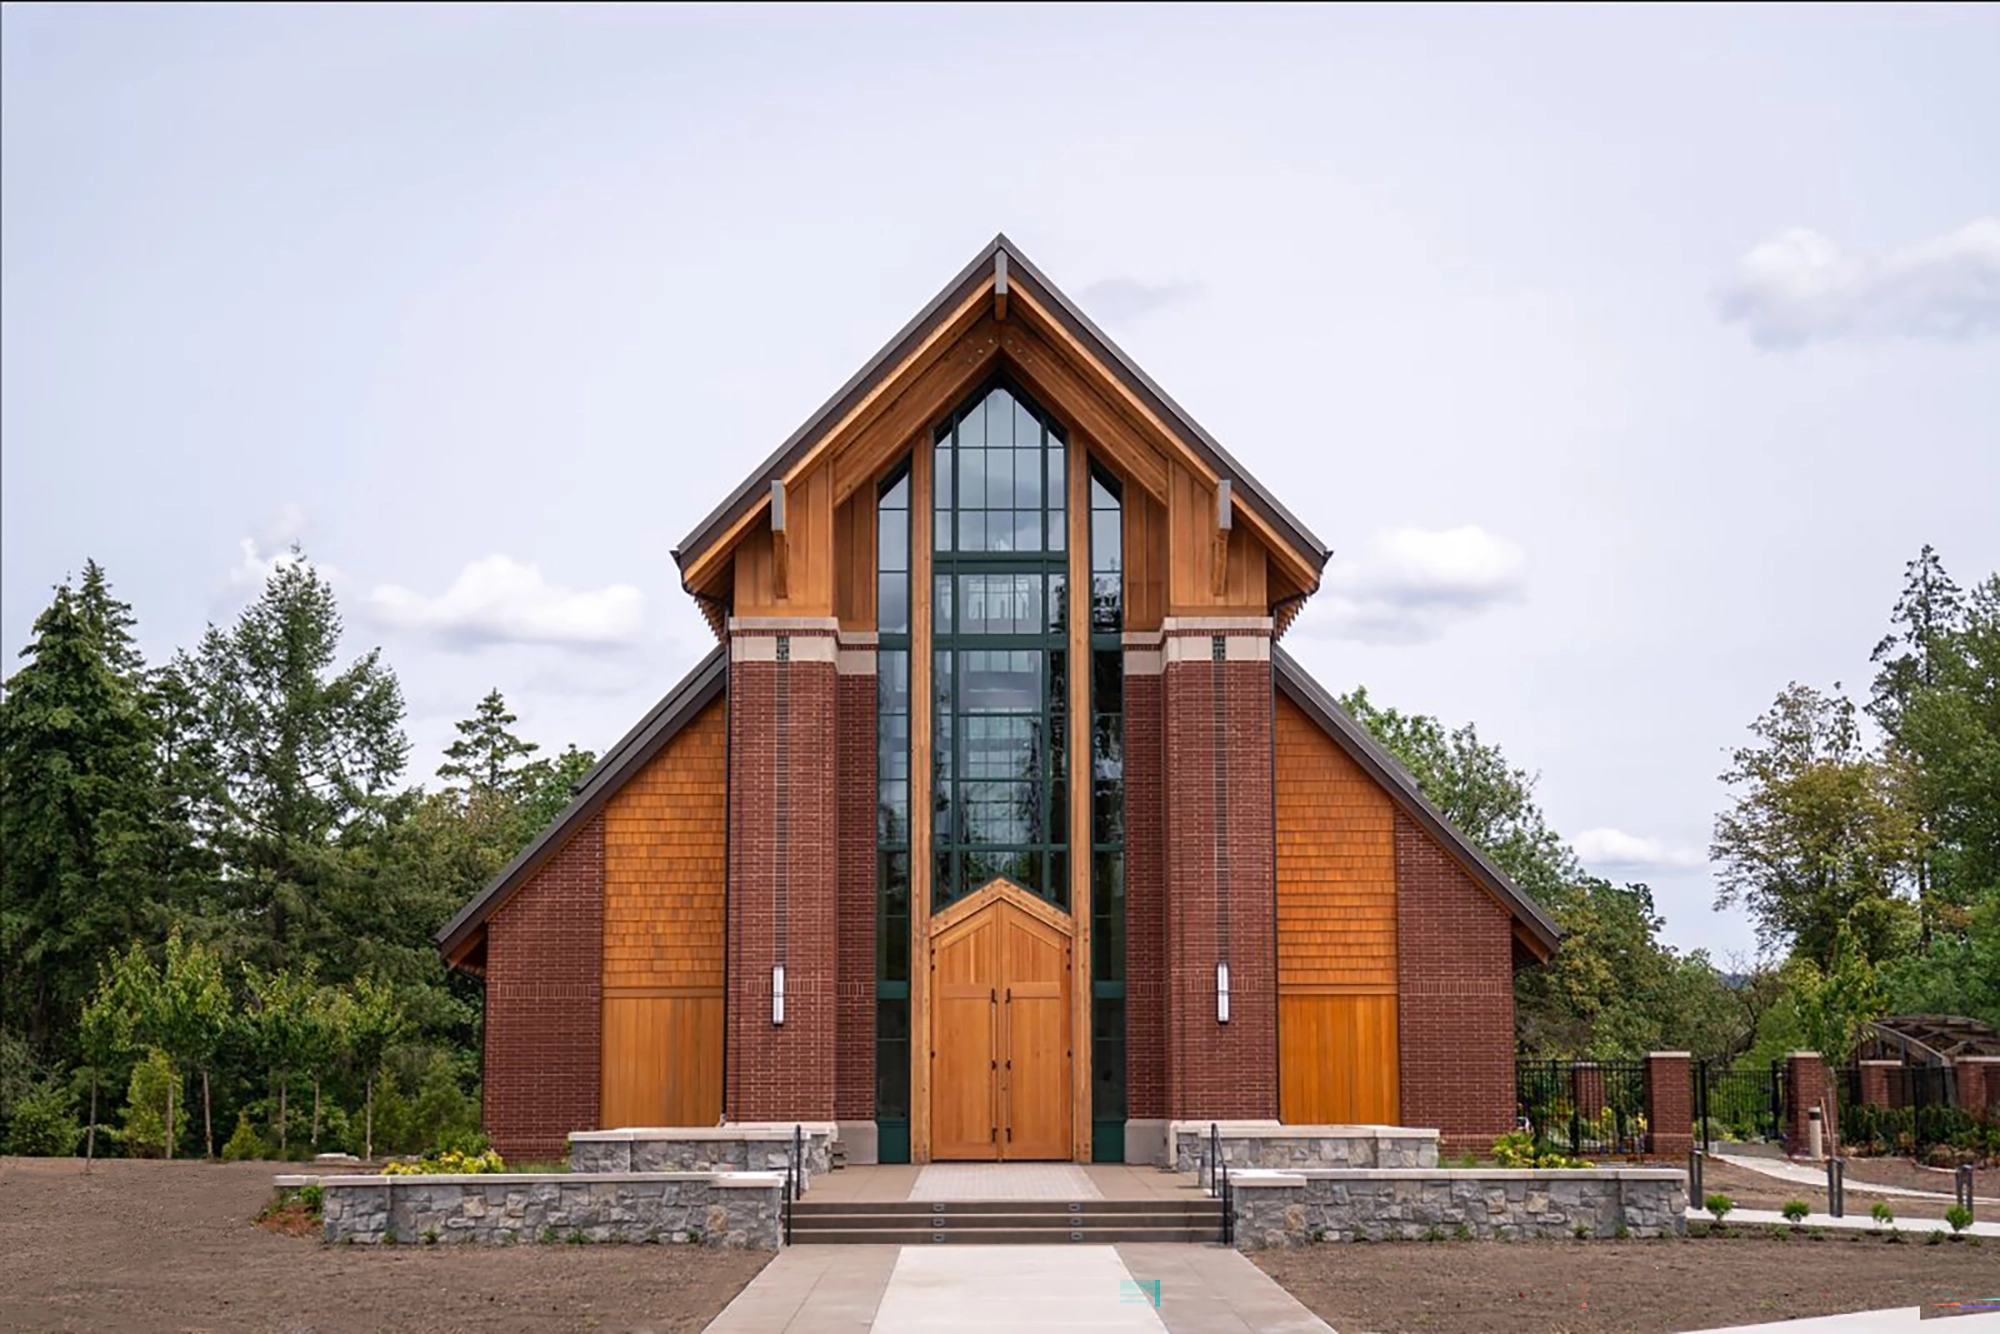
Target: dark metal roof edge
753,488
692,694
1217,458
1309,695
746,496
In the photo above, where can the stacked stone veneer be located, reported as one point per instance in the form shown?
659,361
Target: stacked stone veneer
1281,1209
734,1210
702,1149
1268,1144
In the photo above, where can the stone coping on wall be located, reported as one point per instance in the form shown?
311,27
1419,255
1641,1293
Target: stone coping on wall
1276,1145
724,1180
1255,1176
757,1130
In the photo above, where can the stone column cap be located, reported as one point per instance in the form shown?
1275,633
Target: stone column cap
1801,1055
1884,1060
1978,1060
1656,1055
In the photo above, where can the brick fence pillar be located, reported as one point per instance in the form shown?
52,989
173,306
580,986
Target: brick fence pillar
1875,1082
1587,1087
784,870
1979,1084
1807,1085
1670,1103
1221,883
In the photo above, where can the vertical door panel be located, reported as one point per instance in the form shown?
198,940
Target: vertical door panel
964,1039
1035,1069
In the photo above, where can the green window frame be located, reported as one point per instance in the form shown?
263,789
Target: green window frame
1108,1105
892,827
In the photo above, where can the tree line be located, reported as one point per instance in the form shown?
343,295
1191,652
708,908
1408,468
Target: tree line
212,872
215,881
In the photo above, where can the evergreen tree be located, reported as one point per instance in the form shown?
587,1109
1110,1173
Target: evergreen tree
303,756
487,757
75,817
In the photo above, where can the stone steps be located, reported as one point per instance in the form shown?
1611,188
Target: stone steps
1006,1222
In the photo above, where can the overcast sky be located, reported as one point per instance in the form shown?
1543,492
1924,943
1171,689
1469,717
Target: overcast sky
1622,356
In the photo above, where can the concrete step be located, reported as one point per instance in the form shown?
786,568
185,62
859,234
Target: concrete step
997,1236
1005,1222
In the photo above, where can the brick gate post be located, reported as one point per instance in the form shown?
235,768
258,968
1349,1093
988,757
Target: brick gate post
1807,1085
1670,1103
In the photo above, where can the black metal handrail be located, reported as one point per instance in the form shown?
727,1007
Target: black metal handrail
1218,1183
794,1171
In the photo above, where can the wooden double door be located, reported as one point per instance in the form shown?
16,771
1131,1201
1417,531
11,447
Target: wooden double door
1001,1060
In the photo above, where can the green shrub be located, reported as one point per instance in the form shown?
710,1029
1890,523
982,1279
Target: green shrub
1517,1148
1959,1217
244,1143
1796,1211
42,1123
448,1163
1881,1213
146,1131
1718,1205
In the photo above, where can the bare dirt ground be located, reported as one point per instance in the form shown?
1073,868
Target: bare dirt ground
1914,1176
172,1247
1622,1287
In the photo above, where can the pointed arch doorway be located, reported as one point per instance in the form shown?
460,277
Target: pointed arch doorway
1000,1040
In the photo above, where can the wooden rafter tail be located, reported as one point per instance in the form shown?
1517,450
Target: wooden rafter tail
1000,285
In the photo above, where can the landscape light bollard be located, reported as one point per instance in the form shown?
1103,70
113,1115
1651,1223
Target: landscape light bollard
1694,1175
1815,1145
1964,1184
1836,1187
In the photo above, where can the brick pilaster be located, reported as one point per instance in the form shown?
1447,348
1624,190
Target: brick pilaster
1875,1082
1669,1103
1979,1084
544,1003
1808,1085
1145,889
854,1059
1221,869
784,870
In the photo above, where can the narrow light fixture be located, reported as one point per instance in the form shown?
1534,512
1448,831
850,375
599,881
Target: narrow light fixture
1222,992
777,505
777,995
1225,516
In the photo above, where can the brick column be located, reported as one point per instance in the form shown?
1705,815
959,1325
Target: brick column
783,869
1979,1084
1875,1082
1145,902
1670,1103
854,1058
1587,1088
1221,882
1807,1085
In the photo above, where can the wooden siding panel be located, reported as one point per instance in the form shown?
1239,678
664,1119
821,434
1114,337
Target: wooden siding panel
1336,852
1145,560
1191,536
809,566
1337,1060
665,874
854,554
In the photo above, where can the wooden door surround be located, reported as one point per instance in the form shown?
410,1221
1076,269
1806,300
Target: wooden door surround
1000,1054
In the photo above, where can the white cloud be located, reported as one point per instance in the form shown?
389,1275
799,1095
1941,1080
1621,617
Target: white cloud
1614,848
1110,300
262,556
500,600
1407,585
1799,287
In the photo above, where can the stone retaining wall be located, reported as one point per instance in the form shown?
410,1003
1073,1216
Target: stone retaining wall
1270,1144
1279,1209
735,1210
732,1148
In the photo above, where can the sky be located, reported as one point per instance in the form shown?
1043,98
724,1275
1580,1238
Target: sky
1623,356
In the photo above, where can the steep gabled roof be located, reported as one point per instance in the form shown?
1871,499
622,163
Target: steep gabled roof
1299,687
1002,264
680,707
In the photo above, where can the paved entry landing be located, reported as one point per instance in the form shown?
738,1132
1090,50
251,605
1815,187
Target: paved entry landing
1003,1181
977,1289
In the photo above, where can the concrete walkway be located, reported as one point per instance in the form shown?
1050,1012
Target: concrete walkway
977,1289
1855,1221
1870,1322
1799,1174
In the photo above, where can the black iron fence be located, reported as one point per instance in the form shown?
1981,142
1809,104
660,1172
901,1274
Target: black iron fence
1585,1109
1744,1102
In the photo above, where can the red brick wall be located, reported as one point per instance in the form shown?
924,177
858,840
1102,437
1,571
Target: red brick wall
854,1058
1145,901
783,1073
1455,984
1808,1085
1215,1069
544,1003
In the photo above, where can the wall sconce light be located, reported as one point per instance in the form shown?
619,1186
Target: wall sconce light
778,995
1222,992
